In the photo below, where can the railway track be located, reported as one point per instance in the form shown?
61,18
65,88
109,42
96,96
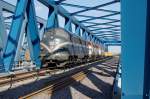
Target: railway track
12,78
61,83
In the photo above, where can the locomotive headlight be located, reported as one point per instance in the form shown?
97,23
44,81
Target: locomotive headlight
57,41
57,56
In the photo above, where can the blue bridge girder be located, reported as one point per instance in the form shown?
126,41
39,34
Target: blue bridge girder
13,37
111,27
92,18
103,23
79,6
135,58
91,8
11,8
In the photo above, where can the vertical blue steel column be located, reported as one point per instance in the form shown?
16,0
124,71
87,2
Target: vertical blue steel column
88,37
77,30
1,62
52,21
32,34
133,49
14,34
96,41
2,34
20,41
146,91
102,46
68,24
41,31
84,35
106,47
24,46
92,38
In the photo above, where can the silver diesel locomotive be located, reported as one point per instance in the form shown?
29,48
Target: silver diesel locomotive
60,47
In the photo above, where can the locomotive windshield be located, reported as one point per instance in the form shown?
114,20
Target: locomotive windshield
53,39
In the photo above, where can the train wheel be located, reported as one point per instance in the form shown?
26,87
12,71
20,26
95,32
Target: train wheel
75,60
71,62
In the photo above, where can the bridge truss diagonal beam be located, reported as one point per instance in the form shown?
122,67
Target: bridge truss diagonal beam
15,30
92,8
85,7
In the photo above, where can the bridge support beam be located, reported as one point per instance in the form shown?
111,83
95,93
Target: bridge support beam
13,37
84,36
134,14
52,21
77,30
2,37
3,34
33,34
68,26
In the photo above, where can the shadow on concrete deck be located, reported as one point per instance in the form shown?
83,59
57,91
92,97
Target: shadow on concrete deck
104,87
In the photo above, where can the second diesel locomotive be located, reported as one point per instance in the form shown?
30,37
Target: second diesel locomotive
60,47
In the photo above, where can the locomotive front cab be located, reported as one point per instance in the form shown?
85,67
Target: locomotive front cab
54,46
